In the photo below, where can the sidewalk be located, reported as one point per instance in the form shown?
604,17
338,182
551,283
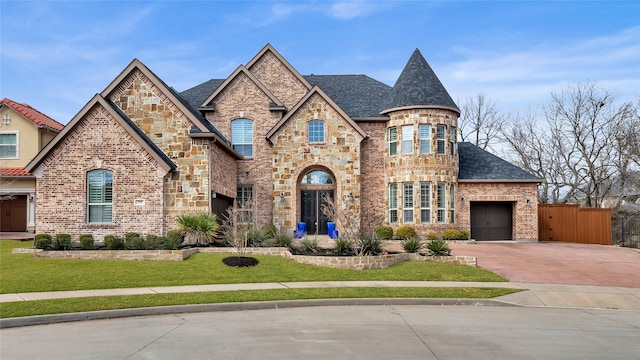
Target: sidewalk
534,294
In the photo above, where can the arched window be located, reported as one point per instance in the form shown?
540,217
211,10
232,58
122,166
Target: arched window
317,177
242,136
100,196
316,131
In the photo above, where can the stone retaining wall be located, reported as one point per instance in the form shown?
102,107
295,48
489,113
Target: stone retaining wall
338,262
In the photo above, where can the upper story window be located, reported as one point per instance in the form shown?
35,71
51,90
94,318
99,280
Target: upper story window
100,196
242,136
393,141
9,145
425,139
407,139
441,136
452,140
316,131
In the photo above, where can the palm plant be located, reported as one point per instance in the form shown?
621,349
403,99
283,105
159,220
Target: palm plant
199,229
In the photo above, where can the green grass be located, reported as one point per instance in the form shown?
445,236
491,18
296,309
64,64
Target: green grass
58,306
25,273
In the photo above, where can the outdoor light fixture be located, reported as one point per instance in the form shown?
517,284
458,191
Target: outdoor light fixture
7,119
350,196
282,195
462,201
528,202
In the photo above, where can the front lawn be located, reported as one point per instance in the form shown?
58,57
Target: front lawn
26,273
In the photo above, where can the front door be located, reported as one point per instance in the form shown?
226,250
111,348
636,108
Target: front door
311,212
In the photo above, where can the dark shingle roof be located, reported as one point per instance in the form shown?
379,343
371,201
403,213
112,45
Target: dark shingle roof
196,95
358,95
418,85
478,164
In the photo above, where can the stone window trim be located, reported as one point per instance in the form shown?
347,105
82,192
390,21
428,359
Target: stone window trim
100,196
316,131
9,150
242,136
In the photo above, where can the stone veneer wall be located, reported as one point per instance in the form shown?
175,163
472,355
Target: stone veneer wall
293,157
525,217
98,142
433,168
187,189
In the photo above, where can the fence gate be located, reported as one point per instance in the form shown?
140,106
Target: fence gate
571,223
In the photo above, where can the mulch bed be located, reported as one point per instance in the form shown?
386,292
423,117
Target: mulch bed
240,261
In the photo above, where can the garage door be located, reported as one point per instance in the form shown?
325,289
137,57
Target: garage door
491,220
13,214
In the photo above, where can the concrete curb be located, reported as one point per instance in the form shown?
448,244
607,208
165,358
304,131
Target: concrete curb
240,306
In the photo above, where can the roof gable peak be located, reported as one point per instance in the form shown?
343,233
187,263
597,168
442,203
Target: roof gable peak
242,70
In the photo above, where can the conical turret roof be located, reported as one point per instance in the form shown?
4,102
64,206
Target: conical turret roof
418,85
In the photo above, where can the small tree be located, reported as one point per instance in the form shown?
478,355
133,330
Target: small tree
237,224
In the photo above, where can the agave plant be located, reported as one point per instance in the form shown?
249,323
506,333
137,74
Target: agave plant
199,229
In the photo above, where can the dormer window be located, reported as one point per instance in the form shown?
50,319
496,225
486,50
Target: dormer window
316,131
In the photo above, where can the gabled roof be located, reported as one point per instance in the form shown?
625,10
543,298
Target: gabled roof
126,123
14,172
418,86
242,70
39,119
478,165
196,95
315,90
358,95
271,49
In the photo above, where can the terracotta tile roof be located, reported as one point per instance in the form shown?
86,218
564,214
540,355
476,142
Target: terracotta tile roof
14,172
38,118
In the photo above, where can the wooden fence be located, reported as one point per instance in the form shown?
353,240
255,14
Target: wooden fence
571,223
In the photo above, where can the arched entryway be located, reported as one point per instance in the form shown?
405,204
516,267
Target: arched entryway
316,187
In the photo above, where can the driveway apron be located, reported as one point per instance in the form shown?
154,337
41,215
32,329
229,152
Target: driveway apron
557,263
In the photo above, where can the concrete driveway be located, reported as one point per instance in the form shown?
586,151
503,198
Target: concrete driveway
557,262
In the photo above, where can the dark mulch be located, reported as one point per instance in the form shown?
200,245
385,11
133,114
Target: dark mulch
240,261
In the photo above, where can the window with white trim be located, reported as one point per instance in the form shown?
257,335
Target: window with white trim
315,130
244,202
452,203
425,202
393,203
441,199
242,136
407,202
425,139
100,196
407,139
393,141
441,138
452,140
9,145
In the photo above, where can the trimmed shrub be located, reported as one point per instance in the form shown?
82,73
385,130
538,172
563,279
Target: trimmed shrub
113,242
466,234
431,235
173,240
62,242
43,241
438,247
453,234
405,232
412,244
342,245
384,232
86,241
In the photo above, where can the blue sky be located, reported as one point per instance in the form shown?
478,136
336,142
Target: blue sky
55,55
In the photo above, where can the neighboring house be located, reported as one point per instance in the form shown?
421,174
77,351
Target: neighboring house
139,154
24,131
